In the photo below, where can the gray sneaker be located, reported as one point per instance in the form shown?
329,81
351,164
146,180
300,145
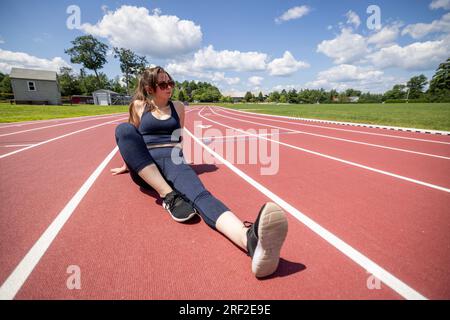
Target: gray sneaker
180,208
265,238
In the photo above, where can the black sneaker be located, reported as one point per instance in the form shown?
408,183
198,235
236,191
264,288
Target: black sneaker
265,238
178,206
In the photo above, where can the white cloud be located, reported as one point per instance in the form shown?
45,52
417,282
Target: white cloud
104,9
293,13
416,56
286,87
385,36
348,72
233,93
1,40
187,70
220,76
156,35
353,18
208,58
9,59
285,66
347,76
255,80
420,30
346,47
436,4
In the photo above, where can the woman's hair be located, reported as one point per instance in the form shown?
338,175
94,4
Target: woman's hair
148,78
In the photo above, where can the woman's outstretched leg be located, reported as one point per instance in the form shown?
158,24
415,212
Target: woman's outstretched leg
139,161
262,239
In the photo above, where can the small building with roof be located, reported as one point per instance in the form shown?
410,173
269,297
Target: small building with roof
32,86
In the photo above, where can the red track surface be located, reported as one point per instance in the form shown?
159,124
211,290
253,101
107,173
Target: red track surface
128,247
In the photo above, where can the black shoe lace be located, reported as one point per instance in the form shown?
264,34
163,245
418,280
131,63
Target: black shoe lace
171,200
175,199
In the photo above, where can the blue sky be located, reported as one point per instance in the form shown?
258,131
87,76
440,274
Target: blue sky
241,45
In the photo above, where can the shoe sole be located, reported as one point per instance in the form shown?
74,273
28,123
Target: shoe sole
178,219
272,231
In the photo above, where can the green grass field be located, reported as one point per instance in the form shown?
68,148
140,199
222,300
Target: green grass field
14,113
434,116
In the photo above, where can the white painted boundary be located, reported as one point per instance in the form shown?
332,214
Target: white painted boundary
56,125
24,123
347,123
384,276
57,138
335,138
17,278
426,184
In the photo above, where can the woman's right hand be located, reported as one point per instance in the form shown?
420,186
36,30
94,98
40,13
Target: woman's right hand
122,169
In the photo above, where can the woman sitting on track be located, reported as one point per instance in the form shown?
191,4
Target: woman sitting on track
146,145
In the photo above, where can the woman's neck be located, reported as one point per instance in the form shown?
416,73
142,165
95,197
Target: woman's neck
160,104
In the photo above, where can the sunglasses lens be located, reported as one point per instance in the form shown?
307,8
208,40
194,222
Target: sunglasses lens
164,85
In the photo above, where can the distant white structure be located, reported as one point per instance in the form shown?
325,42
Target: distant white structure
353,99
104,97
35,86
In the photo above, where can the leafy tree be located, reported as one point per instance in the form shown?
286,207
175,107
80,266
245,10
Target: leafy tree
130,64
91,83
248,96
206,92
292,96
116,86
226,99
182,96
397,92
416,86
5,84
274,96
441,79
260,97
440,83
352,93
89,52
68,82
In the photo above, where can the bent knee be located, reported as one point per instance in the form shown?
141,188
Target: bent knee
125,130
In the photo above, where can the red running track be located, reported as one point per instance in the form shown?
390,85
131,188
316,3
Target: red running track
127,247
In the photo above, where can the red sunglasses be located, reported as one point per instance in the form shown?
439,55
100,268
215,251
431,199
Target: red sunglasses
164,85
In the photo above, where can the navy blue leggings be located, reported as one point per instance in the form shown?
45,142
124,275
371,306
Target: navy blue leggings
178,174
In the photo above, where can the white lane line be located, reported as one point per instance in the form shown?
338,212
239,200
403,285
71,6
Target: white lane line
17,145
338,139
55,125
25,123
57,138
269,117
370,266
422,183
231,137
17,278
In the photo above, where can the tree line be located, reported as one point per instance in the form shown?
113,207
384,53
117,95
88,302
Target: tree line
91,54
413,91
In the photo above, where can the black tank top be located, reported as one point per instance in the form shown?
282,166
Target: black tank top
156,131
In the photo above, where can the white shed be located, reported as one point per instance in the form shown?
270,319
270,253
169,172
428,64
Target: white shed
35,86
104,97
